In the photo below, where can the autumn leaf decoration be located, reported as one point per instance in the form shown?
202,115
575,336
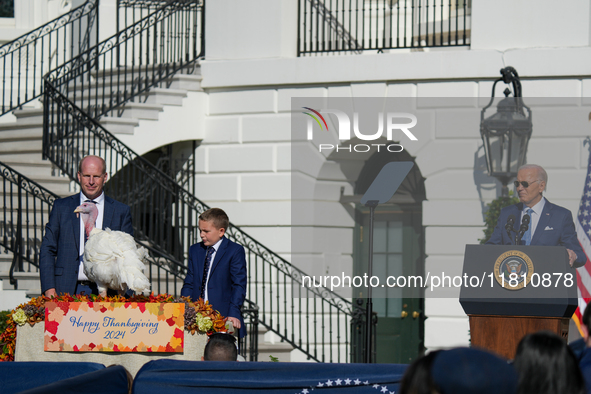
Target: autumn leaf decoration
199,315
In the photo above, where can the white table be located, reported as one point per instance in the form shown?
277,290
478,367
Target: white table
29,347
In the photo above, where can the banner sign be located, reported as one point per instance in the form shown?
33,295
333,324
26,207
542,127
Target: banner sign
114,327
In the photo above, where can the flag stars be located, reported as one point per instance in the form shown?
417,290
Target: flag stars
305,391
384,389
320,384
366,383
329,383
338,382
357,382
376,386
347,381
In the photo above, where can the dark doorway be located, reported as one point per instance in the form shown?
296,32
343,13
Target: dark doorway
398,250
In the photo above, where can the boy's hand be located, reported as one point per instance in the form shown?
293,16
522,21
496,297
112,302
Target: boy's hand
235,321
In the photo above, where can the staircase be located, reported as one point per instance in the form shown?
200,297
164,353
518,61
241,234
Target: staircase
92,104
21,149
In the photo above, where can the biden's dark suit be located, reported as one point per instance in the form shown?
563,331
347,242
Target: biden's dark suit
555,228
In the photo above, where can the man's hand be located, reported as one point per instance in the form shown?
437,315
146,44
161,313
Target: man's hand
50,293
572,256
235,322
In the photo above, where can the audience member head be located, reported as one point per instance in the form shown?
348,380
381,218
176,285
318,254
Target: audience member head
586,325
546,365
417,378
472,371
221,347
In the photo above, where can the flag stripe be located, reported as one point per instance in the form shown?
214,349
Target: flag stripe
583,229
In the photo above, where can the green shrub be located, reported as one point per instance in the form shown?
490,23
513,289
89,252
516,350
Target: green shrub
492,214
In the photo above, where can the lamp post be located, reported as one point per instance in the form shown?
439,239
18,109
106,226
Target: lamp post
506,133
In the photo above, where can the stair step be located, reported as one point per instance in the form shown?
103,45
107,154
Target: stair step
25,146
20,275
281,347
24,158
188,81
165,96
26,280
38,171
29,116
105,87
33,293
191,82
155,95
37,218
18,132
142,111
119,125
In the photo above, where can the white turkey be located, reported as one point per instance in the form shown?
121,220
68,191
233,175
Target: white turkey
111,258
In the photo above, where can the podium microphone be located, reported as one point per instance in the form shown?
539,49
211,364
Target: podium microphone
523,228
509,225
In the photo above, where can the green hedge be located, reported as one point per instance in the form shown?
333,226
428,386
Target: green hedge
492,214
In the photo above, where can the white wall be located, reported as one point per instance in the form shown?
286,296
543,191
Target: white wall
510,24
254,29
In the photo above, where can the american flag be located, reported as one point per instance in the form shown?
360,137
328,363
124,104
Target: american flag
583,226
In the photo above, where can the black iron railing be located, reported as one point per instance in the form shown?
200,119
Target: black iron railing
133,61
249,345
360,25
132,11
26,59
25,210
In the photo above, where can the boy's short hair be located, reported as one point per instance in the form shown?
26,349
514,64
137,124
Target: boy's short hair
217,216
221,347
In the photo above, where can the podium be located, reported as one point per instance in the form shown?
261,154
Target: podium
523,289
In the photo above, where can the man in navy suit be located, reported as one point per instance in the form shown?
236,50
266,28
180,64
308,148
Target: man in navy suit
60,264
550,224
217,269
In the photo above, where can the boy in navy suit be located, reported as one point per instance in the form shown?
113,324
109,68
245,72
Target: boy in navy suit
217,269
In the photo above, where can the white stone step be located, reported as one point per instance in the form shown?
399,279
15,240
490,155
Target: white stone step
29,116
165,96
180,80
32,293
25,280
5,260
270,345
142,110
119,125
24,158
